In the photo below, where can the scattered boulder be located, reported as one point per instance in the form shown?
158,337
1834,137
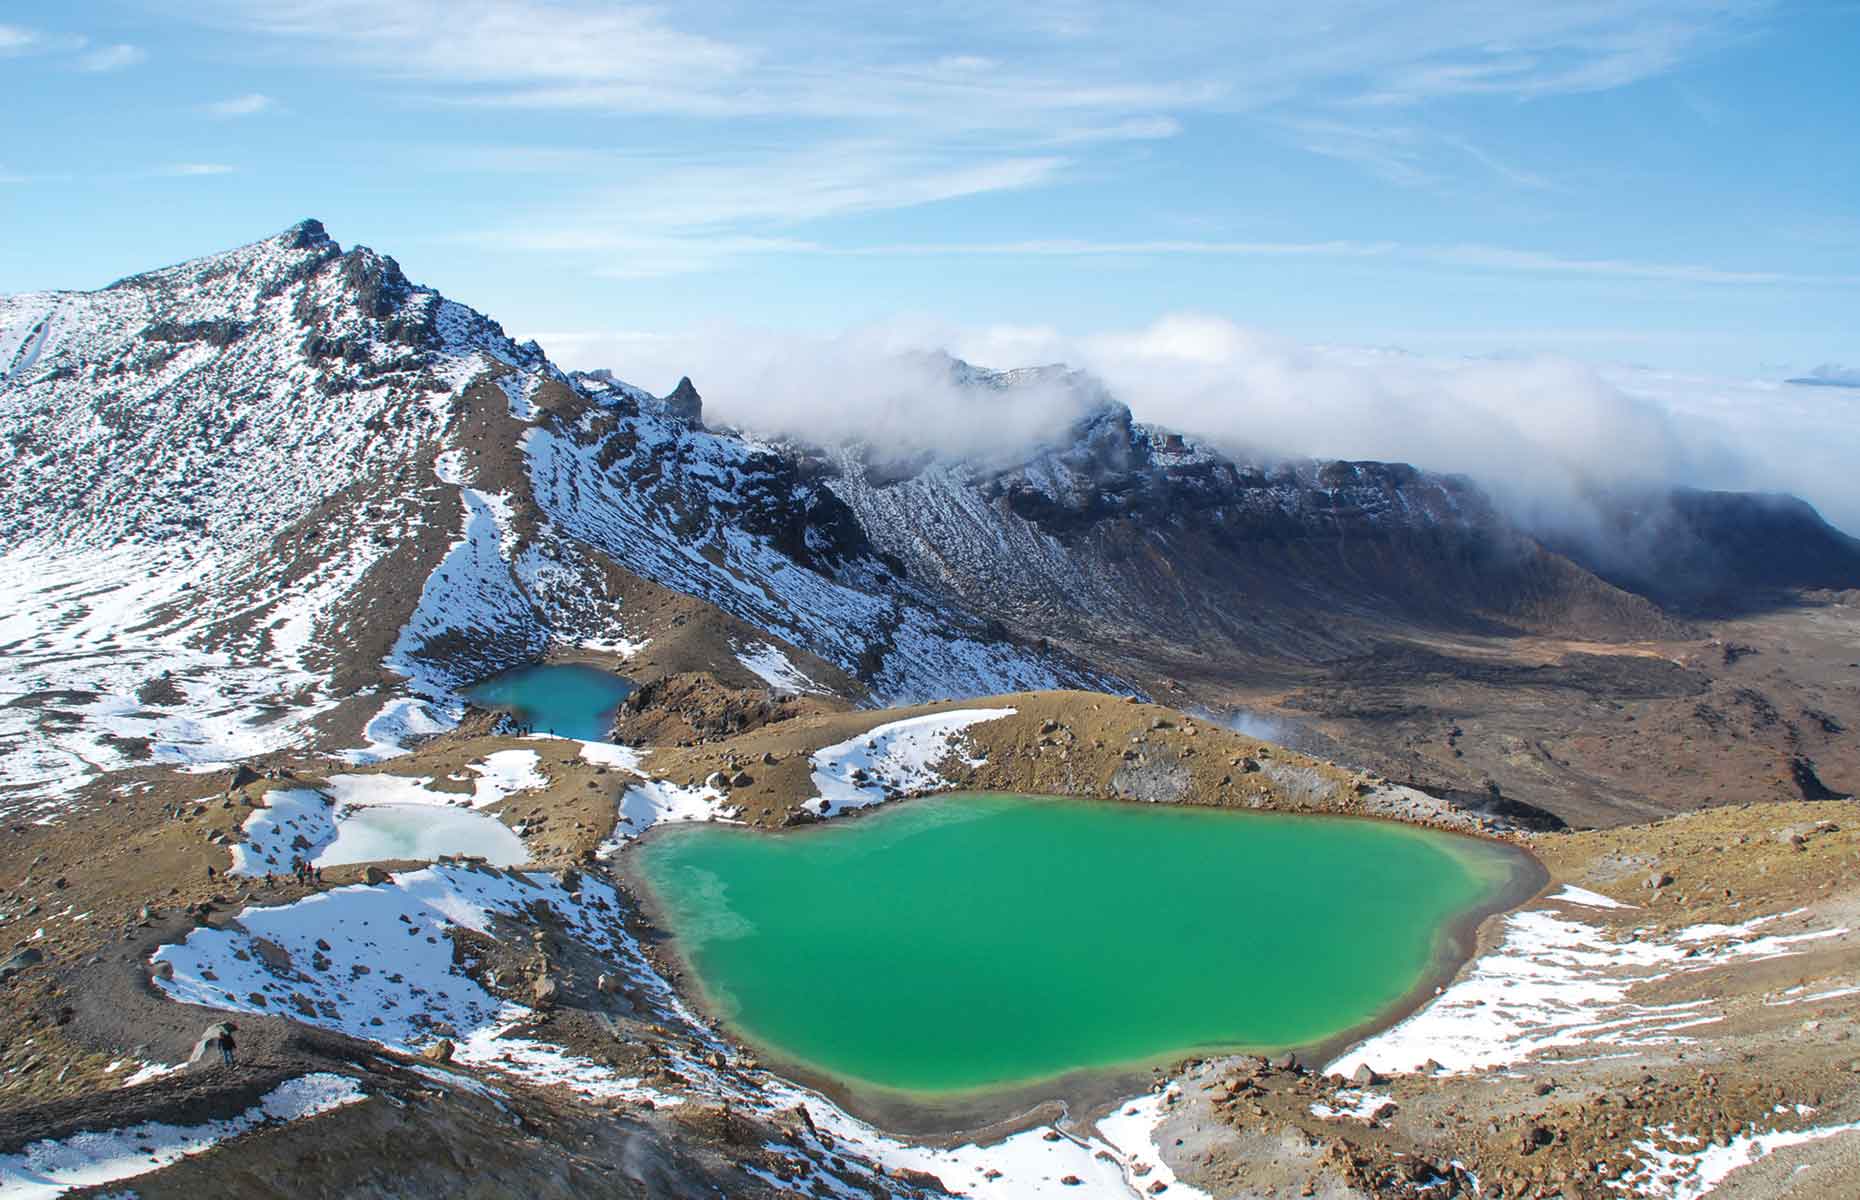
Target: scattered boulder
19,960
372,875
439,1051
213,1048
273,955
1365,1076
545,991
242,775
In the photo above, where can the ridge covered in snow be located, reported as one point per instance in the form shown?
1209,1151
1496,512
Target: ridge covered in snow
239,491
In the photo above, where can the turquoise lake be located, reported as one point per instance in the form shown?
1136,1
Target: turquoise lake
569,700
977,942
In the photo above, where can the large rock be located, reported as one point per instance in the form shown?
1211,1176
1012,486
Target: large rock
19,960
439,1051
212,1047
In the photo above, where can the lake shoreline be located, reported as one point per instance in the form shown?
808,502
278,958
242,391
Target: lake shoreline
1078,1097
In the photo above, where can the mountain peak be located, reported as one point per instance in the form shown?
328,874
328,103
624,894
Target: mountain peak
685,402
307,234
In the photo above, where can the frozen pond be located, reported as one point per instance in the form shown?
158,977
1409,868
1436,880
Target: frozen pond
420,831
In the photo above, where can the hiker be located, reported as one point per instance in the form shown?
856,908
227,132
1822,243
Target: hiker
226,1046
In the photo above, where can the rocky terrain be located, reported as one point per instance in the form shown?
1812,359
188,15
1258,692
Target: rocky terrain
264,515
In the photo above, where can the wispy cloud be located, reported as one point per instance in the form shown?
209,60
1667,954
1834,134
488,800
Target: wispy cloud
1409,155
112,58
18,39
1472,257
688,212
862,111
1385,52
1136,129
1392,152
1498,258
248,105
15,39
181,170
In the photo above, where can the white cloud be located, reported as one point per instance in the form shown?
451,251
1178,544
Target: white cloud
195,168
1136,129
112,58
495,41
1072,73
722,56
1468,257
18,39
15,39
250,104
1539,431
680,213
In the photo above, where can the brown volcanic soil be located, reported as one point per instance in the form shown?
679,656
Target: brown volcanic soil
1537,1129
1600,734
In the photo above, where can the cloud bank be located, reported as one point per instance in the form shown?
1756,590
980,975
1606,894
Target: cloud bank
1543,434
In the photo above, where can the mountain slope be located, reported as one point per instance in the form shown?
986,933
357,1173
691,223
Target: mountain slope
1117,530
243,493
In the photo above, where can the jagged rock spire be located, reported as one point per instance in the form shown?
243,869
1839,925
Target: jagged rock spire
685,402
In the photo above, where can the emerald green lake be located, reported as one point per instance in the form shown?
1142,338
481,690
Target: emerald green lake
567,699
979,942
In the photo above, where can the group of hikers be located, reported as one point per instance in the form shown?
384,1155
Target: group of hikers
301,871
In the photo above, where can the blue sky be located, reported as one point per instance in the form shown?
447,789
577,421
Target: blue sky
1616,180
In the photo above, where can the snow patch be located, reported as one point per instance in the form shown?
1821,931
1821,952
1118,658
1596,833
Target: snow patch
769,664
608,754
1673,1171
90,1159
1353,1105
1572,894
1558,982
899,757
662,802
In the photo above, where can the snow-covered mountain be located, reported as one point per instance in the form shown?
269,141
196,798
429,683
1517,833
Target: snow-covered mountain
284,496
249,496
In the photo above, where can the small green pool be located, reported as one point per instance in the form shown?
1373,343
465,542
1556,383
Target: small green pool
983,942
